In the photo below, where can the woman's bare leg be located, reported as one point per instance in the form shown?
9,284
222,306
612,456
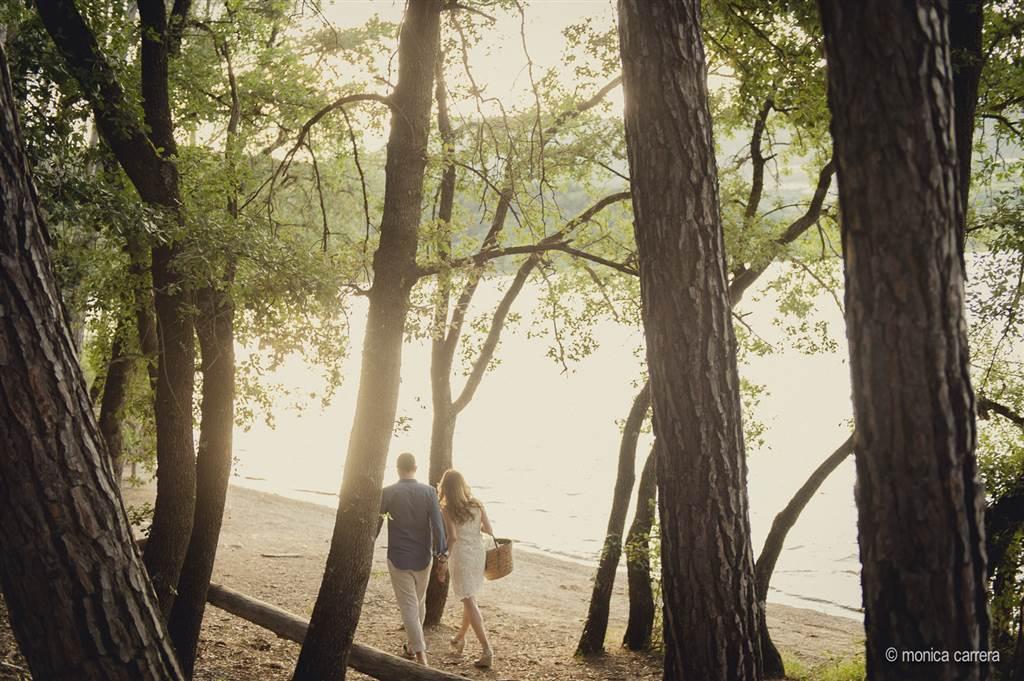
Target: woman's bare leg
476,621
465,622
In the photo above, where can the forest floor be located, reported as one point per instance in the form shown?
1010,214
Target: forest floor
274,549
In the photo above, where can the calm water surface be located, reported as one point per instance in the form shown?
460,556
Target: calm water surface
540,445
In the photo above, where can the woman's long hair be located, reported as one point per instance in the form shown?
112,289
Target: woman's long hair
456,497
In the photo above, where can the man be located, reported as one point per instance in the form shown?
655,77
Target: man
414,526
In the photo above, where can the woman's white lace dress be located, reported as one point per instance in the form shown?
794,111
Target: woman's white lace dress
466,562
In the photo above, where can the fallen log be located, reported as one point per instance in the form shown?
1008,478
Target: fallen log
363,658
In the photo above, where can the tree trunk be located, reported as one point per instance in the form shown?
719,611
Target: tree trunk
173,511
442,437
442,351
918,496
711,614
147,159
142,301
76,592
594,629
966,18
215,328
216,331
336,613
773,543
638,560
115,392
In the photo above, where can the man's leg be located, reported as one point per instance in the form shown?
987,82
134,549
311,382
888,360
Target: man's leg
422,580
406,593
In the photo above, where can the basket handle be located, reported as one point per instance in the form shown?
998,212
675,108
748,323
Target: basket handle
495,540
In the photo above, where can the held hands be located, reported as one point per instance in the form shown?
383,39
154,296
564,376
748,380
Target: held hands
441,568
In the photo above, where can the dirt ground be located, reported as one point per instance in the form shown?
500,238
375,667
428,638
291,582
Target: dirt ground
534,616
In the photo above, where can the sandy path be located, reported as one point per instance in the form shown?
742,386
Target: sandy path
534,616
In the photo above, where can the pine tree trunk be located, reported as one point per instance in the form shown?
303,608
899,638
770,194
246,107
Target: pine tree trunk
918,497
76,592
596,625
339,602
638,560
711,612
215,329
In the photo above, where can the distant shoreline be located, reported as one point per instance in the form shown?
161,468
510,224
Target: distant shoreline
320,498
545,596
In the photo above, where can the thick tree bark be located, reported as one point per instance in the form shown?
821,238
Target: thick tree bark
918,496
596,625
336,613
773,543
155,177
112,403
640,625
215,328
711,615
76,592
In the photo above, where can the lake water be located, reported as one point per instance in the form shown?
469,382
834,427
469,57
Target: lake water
540,446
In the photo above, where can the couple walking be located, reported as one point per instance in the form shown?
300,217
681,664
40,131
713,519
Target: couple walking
447,524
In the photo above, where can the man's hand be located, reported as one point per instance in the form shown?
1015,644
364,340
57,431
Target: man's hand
441,567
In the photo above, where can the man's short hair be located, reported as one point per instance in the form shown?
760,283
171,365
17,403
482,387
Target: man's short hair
406,462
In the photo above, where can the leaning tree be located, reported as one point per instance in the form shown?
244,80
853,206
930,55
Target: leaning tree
79,601
146,148
339,602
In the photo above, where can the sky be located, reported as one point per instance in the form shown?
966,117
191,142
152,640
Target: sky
498,61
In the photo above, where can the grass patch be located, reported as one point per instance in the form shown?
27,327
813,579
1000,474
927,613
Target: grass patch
851,669
795,669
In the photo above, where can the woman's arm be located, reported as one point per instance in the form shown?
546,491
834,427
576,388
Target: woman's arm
485,522
449,530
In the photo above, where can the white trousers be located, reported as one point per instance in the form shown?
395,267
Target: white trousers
411,593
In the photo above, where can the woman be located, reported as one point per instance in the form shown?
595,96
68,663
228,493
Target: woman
464,518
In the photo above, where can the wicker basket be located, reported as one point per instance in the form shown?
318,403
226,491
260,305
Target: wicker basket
499,559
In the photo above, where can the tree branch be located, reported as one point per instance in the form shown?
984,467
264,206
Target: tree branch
554,241
89,66
307,126
621,267
581,108
452,5
759,162
490,345
176,26
987,407
744,276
